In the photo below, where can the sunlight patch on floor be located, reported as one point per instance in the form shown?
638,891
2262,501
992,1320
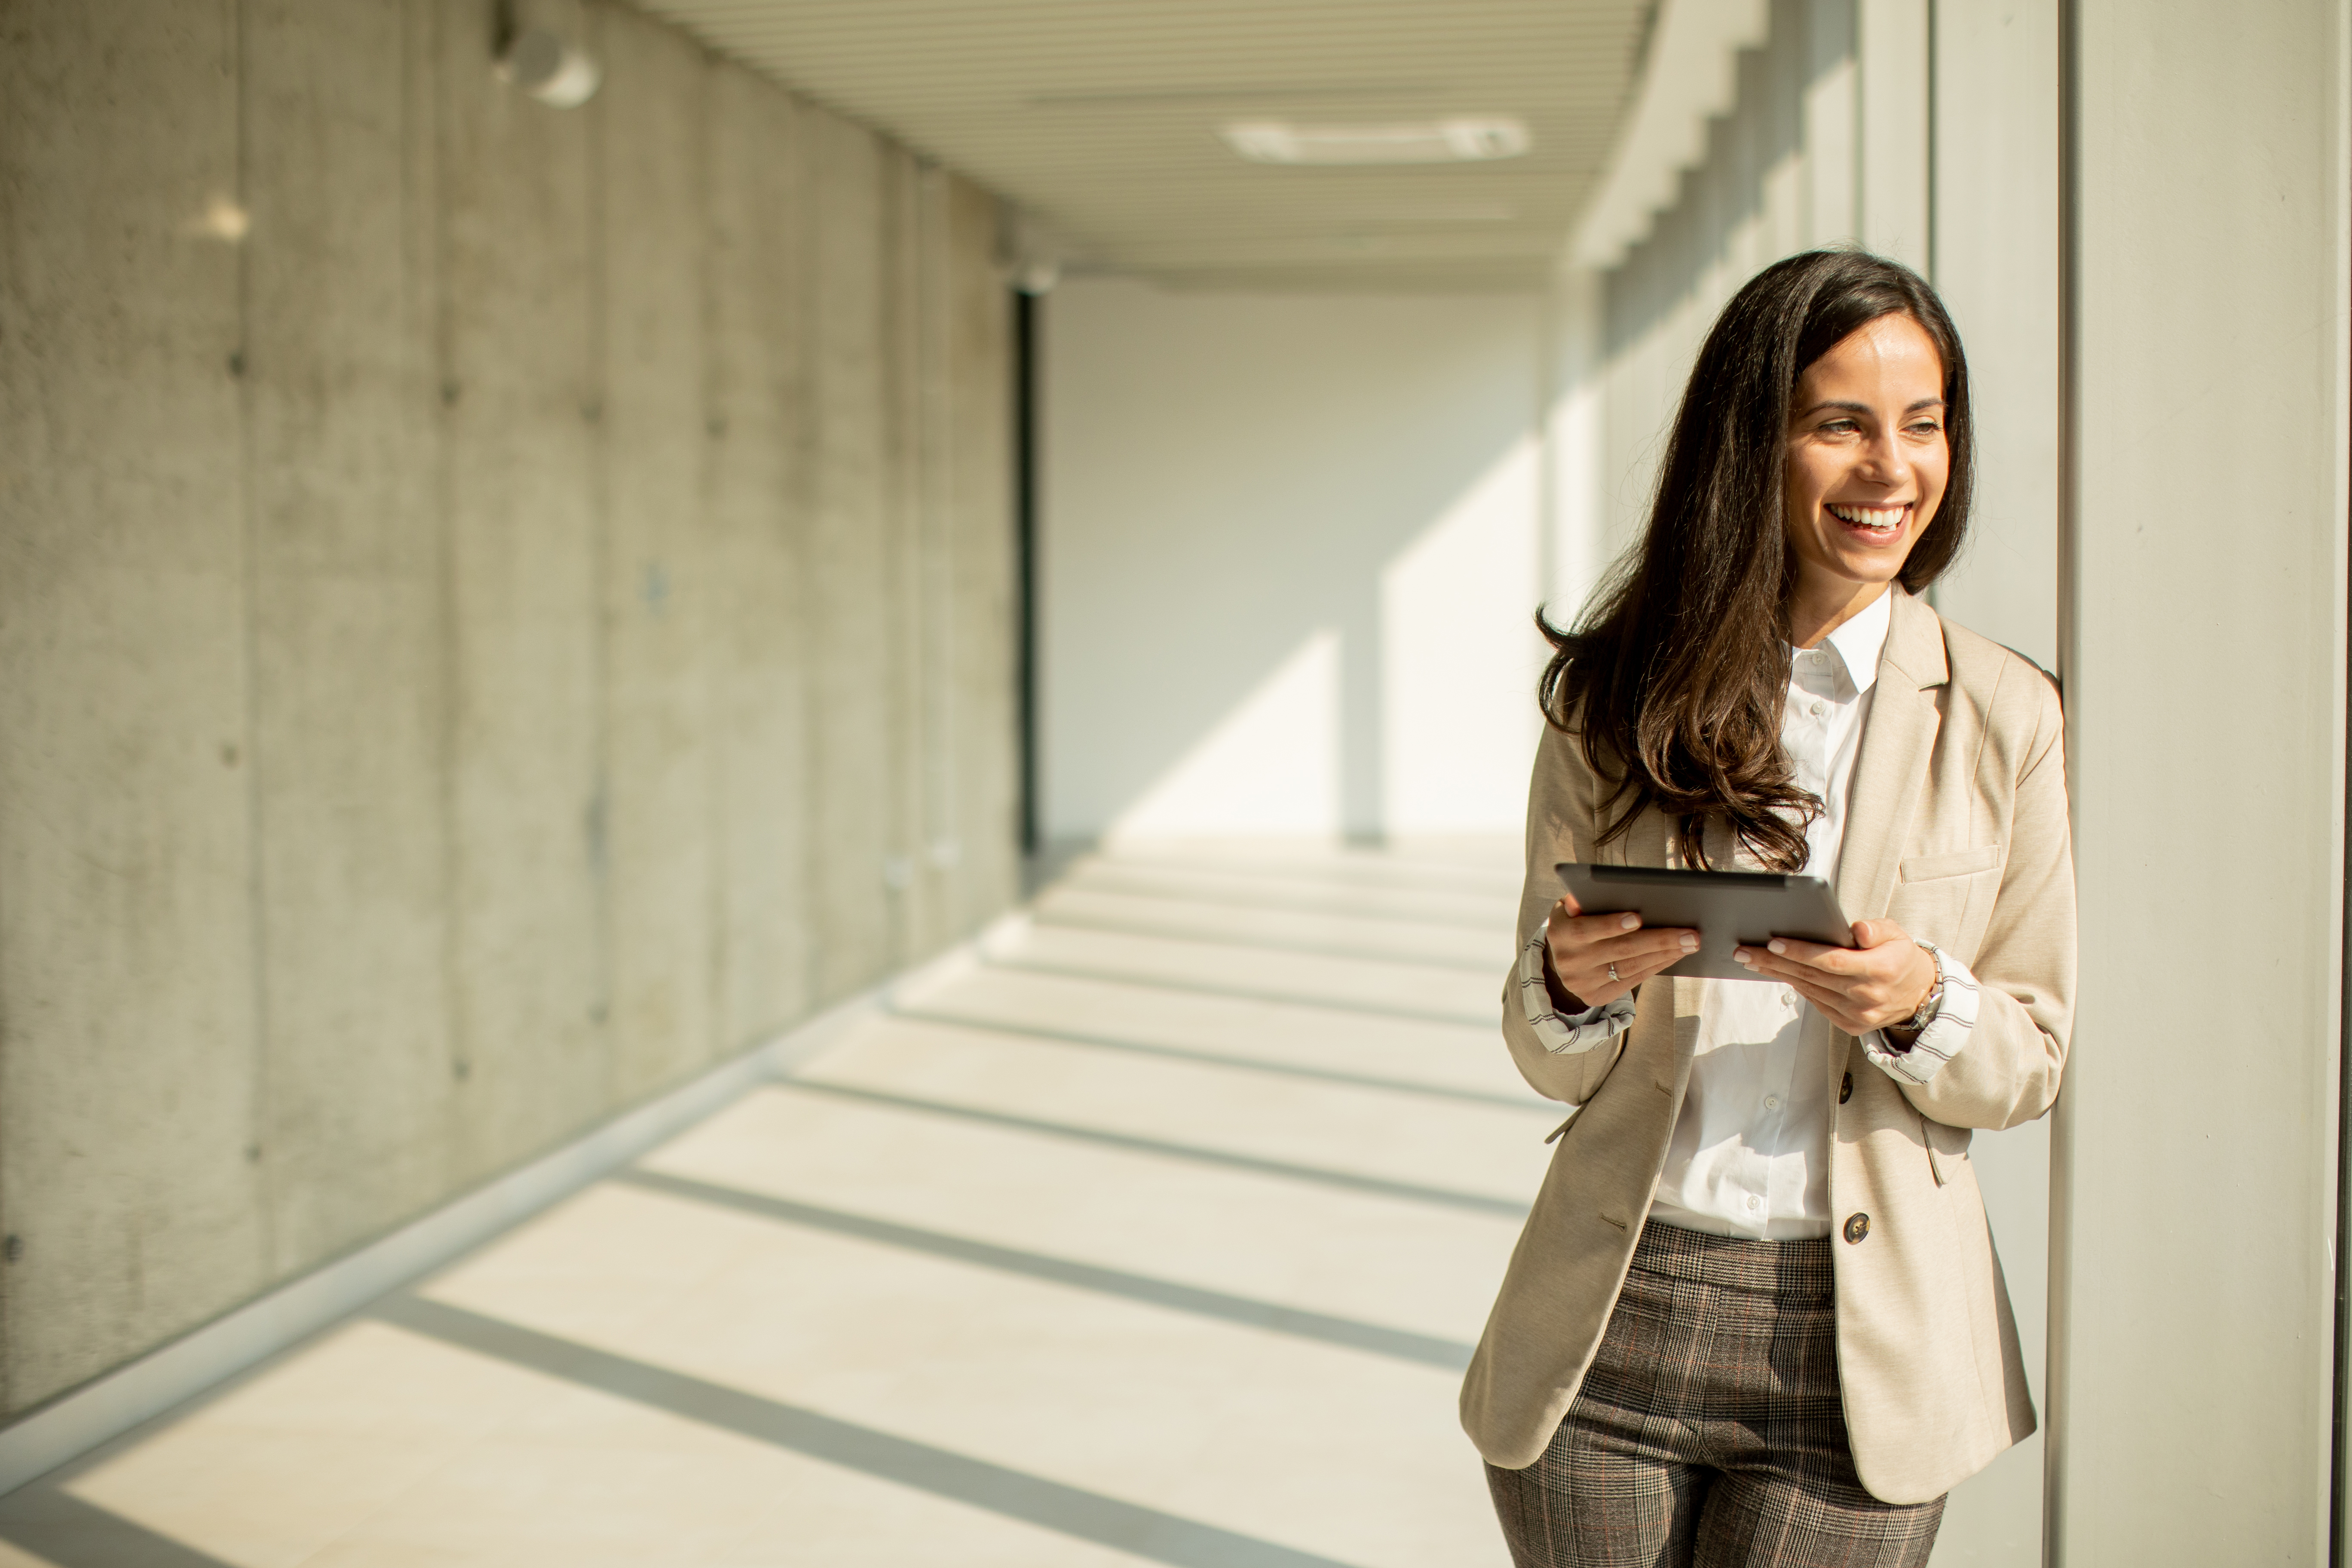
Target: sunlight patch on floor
1158,1234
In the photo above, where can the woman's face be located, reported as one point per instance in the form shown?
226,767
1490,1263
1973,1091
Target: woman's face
1867,460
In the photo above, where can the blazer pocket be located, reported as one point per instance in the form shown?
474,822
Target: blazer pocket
1955,863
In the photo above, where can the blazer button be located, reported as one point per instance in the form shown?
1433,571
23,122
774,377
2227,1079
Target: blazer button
1845,1088
1857,1226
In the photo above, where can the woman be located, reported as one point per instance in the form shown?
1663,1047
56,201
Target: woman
1755,1316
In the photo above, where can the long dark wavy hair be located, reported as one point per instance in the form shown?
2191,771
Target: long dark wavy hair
1673,678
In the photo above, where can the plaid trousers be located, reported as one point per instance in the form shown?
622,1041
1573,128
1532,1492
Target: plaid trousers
1708,1433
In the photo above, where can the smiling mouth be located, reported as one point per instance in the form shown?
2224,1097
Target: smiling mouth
1880,520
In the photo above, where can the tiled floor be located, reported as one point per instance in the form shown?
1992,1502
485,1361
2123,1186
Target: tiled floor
1160,1234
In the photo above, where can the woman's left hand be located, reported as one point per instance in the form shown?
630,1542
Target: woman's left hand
1881,979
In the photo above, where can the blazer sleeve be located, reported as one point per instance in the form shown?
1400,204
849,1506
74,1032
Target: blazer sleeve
1562,802
2009,1071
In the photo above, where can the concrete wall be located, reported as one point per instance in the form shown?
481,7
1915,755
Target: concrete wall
1928,134
1289,554
500,608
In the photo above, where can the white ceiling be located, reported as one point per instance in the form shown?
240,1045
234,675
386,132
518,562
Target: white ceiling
1100,119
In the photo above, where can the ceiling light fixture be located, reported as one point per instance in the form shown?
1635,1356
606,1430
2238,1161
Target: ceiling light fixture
551,67
1421,142
543,53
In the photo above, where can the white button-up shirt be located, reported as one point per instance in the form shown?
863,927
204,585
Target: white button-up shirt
1749,1154
1751,1151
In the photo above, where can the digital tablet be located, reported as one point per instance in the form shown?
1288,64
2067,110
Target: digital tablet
1728,909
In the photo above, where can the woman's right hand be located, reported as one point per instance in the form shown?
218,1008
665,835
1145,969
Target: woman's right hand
1582,949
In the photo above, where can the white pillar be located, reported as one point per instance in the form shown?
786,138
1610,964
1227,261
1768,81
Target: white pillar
1894,45
2203,644
1995,262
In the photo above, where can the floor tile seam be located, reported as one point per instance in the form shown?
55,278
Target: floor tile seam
1337,1076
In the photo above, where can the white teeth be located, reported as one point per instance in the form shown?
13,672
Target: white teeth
1882,517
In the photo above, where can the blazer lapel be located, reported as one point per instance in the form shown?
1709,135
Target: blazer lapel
1891,772
1890,775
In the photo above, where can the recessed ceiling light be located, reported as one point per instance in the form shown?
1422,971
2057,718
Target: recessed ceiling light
552,68
1418,142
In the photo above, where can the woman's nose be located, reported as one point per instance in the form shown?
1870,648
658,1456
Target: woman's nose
1880,461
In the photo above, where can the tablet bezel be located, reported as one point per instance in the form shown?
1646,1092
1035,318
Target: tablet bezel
1728,909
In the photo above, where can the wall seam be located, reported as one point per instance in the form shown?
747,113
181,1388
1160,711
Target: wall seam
256,1150
2339,1106
941,852
1927,240
445,391
2057,1392
2341,1381
602,611
806,382
1026,308
716,597
901,308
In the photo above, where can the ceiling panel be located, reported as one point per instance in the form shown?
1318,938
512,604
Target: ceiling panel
1100,119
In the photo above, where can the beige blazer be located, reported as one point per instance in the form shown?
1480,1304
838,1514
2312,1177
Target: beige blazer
1957,830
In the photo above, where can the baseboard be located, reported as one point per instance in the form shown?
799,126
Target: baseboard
98,1410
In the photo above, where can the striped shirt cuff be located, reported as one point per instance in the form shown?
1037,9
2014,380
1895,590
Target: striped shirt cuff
1566,1034
1946,1034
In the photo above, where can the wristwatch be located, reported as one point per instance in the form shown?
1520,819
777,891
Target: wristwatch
1929,1004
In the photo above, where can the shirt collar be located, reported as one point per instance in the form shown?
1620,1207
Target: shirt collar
1860,641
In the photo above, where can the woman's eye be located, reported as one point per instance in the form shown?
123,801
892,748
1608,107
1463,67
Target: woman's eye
1927,429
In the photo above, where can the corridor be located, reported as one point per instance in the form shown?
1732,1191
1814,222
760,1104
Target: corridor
1157,1228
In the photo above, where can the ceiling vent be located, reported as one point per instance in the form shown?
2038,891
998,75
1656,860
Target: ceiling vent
1421,142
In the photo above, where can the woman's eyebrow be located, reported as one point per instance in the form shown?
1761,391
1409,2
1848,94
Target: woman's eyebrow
1865,408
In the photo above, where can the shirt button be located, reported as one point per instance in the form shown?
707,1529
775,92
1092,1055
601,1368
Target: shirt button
1771,1102
1787,998
1820,709
1755,1203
